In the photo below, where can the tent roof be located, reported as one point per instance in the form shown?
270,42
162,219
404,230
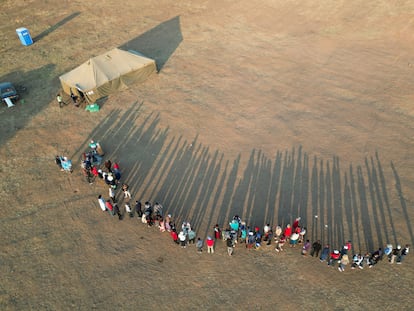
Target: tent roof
103,68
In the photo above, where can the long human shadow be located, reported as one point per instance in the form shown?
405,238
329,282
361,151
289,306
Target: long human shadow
55,26
403,203
30,103
392,237
158,43
199,185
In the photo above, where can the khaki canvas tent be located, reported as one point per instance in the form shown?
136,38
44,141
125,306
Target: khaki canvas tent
106,73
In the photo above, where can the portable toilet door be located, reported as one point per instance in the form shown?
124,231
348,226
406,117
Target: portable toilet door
24,36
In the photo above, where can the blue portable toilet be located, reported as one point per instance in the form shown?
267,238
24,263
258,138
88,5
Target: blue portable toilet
24,36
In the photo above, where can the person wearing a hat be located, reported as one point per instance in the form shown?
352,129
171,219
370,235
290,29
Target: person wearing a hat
210,245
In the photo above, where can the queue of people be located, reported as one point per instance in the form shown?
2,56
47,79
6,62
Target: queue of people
236,233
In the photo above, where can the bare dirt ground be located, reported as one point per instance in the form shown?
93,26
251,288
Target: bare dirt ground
266,109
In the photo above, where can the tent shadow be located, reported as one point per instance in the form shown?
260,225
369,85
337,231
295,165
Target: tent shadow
159,43
56,26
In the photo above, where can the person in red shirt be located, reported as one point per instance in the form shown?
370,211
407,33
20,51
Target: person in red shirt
210,245
174,236
217,232
288,231
296,223
335,256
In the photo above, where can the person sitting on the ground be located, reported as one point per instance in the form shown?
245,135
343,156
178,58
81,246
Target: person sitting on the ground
375,257
334,257
404,252
357,261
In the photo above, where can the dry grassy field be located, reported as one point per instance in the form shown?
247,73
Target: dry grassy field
266,109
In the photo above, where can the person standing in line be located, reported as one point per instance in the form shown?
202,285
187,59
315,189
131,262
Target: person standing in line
325,253
112,194
305,248
117,172
210,245
316,248
183,239
191,236
127,194
288,231
217,232
138,208
280,242
117,211
129,210
174,236
230,246
108,166
60,100
199,245
295,224
102,203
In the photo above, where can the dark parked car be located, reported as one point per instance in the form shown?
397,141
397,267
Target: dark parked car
7,90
